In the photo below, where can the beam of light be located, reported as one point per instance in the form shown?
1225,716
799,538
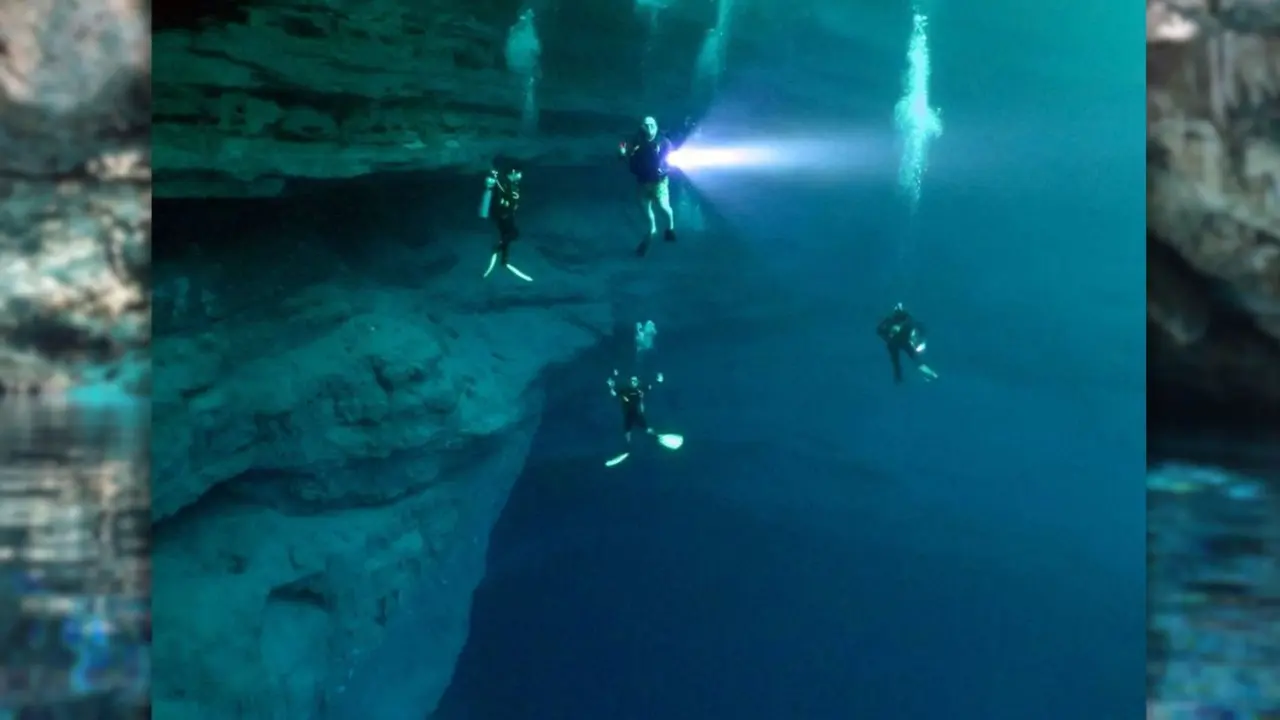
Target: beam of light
849,155
697,158
918,124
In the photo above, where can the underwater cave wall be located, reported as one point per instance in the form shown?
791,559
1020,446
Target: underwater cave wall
347,402
1213,199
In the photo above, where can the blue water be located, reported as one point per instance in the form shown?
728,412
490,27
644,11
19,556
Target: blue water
829,545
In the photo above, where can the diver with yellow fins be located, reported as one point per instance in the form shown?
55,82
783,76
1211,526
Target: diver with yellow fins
500,201
631,400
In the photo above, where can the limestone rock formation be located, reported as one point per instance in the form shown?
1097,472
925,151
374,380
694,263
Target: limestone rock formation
340,420
264,92
283,91
1214,195
75,192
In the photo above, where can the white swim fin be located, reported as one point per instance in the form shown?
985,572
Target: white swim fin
671,441
616,459
493,260
516,271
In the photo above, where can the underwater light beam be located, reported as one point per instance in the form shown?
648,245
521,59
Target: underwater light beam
918,124
850,154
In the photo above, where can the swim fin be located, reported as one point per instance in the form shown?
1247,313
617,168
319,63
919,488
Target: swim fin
617,459
516,271
671,441
493,260
643,248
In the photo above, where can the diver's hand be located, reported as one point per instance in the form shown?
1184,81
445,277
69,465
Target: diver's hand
659,378
622,149
489,182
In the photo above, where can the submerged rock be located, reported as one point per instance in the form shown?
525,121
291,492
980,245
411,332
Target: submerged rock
1214,194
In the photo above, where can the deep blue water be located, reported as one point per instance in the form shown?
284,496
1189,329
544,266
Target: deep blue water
828,545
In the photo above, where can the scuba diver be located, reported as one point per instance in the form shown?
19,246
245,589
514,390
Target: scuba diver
903,335
631,399
500,201
646,154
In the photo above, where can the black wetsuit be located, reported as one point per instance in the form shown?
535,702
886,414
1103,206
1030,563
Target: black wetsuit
647,159
895,330
502,208
632,401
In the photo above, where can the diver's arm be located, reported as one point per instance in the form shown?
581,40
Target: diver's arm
657,380
882,330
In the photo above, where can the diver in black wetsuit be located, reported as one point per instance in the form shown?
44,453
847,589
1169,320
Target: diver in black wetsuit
500,202
631,400
903,335
646,156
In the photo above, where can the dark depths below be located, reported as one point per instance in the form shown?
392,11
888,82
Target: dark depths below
676,590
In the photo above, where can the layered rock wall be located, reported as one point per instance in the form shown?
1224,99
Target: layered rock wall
259,93
287,89
1214,194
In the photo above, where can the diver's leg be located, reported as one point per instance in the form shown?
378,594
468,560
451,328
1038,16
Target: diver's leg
925,370
895,357
628,422
509,234
643,247
664,202
493,261
499,249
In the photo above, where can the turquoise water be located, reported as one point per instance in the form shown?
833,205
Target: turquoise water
828,545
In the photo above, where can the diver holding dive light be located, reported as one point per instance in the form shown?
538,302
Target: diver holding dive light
646,156
902,335
631,400
500,201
